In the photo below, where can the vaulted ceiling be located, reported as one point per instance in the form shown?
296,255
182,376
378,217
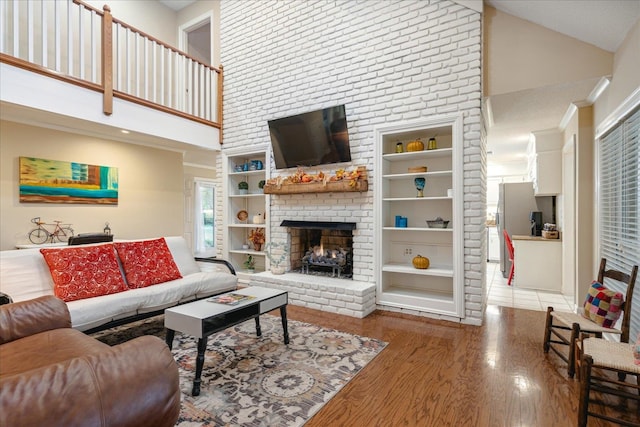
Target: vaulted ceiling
602,23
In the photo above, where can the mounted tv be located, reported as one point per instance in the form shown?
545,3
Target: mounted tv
309,139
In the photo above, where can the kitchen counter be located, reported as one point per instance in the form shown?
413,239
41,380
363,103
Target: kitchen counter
538,264
534,238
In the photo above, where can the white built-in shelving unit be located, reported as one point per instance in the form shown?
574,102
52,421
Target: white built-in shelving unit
440,288
236,231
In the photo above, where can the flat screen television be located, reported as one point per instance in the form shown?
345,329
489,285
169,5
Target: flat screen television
309,139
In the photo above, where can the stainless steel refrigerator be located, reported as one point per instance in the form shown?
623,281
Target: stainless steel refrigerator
515,203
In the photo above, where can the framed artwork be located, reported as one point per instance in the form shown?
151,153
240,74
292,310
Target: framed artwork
55,181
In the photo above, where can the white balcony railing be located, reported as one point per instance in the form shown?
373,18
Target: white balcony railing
72,41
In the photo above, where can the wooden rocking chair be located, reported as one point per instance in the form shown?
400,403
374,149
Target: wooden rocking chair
604,365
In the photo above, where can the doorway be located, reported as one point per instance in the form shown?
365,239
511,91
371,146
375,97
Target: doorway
195,38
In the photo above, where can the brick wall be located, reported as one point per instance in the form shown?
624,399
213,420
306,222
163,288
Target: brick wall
388,61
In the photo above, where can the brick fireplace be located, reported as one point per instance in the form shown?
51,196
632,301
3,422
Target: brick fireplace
322,290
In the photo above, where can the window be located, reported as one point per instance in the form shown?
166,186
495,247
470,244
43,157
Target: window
620,201
204,218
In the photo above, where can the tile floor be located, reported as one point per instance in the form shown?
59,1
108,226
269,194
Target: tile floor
499,293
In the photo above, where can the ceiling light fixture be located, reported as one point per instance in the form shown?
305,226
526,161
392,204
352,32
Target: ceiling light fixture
124,131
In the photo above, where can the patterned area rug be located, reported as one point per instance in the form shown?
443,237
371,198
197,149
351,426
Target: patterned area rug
260,381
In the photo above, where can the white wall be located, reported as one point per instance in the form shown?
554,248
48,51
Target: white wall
151,17
388,62
625,78
522,55
150,185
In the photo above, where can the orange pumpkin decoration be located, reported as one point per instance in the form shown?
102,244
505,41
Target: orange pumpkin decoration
421,262
416,145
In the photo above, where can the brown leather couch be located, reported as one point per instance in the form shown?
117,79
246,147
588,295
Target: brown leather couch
53,375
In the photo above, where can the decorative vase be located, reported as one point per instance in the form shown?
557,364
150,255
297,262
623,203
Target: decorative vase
257,246
277,270
420,186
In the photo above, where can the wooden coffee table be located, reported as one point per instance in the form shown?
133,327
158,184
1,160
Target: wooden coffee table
203,318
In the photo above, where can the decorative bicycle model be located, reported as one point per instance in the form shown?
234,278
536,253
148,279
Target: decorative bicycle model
40,235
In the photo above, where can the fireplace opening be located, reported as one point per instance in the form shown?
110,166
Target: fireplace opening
321,248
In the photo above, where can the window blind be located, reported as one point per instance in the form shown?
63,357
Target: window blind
619,202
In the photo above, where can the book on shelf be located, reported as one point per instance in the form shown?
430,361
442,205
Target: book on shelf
230,299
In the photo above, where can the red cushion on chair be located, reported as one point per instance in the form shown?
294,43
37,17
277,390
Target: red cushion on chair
84,272
147,262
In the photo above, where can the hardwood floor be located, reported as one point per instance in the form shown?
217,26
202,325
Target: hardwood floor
437,373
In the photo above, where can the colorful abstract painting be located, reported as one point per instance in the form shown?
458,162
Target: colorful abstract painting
54,181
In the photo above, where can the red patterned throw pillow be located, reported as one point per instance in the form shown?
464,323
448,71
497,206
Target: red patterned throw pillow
147,262
84,272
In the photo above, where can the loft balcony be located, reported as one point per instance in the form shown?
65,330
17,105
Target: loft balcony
69,66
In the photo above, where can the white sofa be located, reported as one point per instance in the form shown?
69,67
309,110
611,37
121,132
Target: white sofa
24,275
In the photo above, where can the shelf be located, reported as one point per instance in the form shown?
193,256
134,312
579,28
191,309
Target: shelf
438,230
243,196
417,174
236,232
412,155
243,173
416,293
247,225
247,252
413,199
414,299
440,271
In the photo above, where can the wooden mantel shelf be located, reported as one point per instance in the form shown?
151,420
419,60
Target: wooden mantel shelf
317,187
